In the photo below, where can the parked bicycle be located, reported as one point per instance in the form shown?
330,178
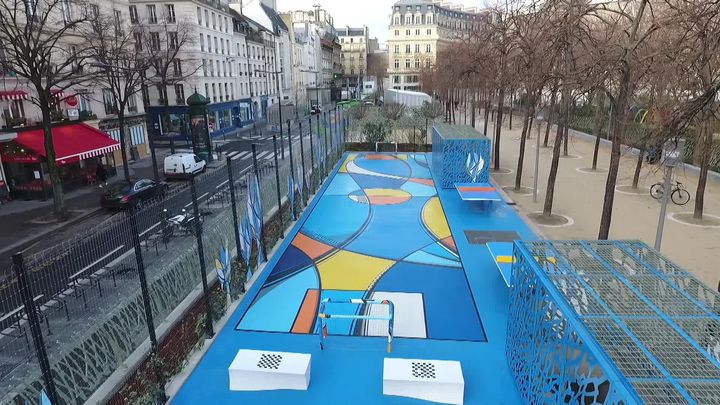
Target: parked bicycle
679,195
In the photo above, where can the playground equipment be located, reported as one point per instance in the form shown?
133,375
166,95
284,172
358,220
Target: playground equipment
324,316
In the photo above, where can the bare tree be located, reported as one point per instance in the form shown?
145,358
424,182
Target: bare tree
41,44
119,56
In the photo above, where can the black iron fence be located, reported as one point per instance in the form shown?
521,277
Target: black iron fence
72,314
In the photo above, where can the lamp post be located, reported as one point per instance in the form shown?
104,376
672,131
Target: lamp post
673,151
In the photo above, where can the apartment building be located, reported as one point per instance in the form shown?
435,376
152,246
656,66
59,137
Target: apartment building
355,46
418,30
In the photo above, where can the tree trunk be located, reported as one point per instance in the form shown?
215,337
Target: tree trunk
498,128
566,132
707,141
523,137
487,115
512,104
59,207
597,127
551,113
472,113
638,168
123,144
617,137
550,193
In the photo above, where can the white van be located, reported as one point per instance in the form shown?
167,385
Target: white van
182,165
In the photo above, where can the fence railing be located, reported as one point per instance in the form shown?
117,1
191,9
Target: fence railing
73,313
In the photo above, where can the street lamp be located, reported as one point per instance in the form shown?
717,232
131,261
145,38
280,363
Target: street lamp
673,151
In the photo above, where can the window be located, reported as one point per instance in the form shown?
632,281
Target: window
172,40
417,48
179,94
109,102
199,13
397,33
214,22
227,95
204,67
397,21
132,104
214,95
428,48
222,46
407,48
133,15
417,32
207,90
429,31
155,41
216,44
417,63
408,20
162,93
427,63
407,63
170,13
397,63
202,43
137,36
407,33
145,95
212,68
207,20
177,67
151,13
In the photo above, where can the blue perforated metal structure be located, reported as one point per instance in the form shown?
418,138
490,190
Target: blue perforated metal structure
607,322
451,145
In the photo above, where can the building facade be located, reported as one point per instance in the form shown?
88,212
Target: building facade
355,46
418,30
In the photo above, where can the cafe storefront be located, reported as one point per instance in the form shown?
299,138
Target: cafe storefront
79,148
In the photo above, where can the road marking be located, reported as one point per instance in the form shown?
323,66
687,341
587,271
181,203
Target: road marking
231,154
263,154
244,155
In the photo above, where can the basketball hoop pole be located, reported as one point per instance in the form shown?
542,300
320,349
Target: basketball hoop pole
324,316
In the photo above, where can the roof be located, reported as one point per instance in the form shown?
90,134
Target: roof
72,142
351,32
274,17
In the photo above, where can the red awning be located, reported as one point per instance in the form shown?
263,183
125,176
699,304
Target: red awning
13,95
72,142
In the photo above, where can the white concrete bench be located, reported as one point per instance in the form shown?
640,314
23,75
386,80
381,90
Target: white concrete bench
258,370
430,380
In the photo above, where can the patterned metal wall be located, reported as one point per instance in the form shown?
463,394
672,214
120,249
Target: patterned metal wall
610,322
450,154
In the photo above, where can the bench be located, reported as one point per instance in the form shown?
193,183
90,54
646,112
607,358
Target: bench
255,370
430,380
18,319
482,192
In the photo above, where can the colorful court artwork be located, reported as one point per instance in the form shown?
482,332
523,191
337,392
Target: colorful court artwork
377,232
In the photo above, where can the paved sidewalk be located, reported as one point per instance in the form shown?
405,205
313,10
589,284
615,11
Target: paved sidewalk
580,195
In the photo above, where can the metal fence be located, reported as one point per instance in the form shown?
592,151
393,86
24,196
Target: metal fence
74,313
610,322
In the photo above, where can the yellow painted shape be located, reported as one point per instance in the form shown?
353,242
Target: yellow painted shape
401,156
350,158
386,192
504,259
345,270
433,217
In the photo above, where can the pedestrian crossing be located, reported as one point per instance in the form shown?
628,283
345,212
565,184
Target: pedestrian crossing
266,154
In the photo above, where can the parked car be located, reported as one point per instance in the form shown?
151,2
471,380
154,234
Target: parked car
183,165
123,196
316,109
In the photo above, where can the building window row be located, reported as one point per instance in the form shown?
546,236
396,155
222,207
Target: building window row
213,20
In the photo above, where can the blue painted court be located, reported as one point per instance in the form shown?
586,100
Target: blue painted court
378,229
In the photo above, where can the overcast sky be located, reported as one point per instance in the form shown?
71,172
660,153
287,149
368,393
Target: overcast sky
356,13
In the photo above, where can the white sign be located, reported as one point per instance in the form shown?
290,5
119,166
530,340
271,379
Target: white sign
73,113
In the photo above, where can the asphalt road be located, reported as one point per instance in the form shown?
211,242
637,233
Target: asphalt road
92,243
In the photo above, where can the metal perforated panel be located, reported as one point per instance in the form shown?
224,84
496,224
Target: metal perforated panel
651,331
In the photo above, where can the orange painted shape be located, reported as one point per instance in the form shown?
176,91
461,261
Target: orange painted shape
470,188
449,243
379,157
427,182
310,246
387,200
306,316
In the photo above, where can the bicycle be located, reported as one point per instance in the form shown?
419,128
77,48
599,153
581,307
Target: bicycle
679,195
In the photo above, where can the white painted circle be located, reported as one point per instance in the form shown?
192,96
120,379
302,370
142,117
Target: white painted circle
569,220
571,157
588,170
672,216
617,190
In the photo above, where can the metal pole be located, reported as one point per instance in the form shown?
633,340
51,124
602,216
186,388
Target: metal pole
201,255
280,112
30,310
302,163
663,207
537,163
312,155
292,162
233,203
145,291
257,178
277,183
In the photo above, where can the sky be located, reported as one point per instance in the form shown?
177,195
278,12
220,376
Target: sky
356,13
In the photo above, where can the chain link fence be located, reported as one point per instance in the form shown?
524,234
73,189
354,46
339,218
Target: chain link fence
74,313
